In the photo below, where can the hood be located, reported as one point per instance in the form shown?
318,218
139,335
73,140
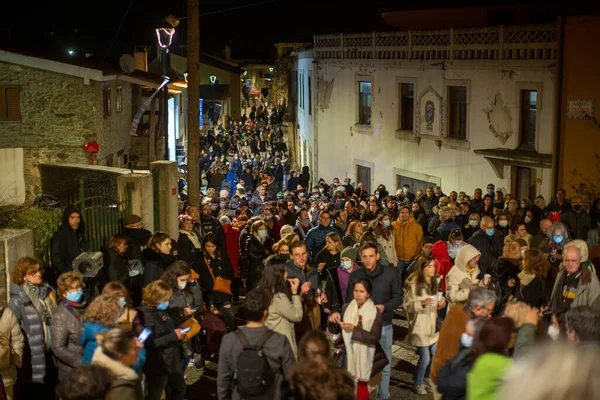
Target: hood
411,219
230,176
305,170
440,251
465,253
118,370
70,209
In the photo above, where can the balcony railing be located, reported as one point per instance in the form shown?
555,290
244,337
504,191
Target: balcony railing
527,42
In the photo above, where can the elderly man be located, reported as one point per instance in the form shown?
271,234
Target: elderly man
576,285
541,238
489,242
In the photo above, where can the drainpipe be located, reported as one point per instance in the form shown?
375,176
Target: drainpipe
558,82
315,82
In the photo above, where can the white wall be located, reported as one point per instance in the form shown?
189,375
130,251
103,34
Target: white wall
12,179
341,141
305,117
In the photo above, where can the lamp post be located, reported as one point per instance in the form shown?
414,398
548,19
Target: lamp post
213,80
165,33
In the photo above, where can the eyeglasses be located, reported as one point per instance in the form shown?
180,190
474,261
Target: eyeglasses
36,272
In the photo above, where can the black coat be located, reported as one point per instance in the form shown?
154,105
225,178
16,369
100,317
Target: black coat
255,255
118,267
67,244
163,349
221,267
490,248
156,264
186,250
137,239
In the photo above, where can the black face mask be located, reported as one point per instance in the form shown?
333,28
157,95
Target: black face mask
577,207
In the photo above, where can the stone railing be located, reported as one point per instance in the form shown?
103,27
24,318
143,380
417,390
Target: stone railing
537,42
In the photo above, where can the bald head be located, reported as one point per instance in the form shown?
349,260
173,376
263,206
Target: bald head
487,222
545,225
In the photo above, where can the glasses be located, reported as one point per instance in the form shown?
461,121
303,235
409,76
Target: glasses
36,272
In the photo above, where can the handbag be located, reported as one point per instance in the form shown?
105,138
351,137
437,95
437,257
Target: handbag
195,329
219,284
339,358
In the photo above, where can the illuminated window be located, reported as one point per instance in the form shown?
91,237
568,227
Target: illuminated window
365,102
106,101
10,104
119,102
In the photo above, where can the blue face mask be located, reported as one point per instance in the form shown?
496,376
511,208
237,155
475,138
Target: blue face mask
489,232
123,302
387,223
75,297
263,234
163,306
522,253
473,223
346,264
558,238
466,340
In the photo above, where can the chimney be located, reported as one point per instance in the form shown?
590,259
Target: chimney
140,54
228,52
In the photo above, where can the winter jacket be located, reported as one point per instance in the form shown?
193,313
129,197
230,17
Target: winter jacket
444,263
421,319
387,289
304,177
255,254
66,340
333,289
370,338
34,357
126,384
459,280
163,350
211,224
10,328
452,377
191,296
531,290
156,265
187,251
490,248
429,203
90,344
408,237
118,267
221,267
232,246
137,239
588,291
276,349
578,224
315,240
283,314
485,377
389,247
67,244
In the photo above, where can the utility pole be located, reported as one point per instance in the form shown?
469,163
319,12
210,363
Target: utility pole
193,90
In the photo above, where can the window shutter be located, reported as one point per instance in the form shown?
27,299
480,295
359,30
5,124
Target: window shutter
13,109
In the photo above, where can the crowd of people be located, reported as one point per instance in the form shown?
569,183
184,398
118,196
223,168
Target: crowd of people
321,272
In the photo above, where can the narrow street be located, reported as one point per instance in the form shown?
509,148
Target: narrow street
202,385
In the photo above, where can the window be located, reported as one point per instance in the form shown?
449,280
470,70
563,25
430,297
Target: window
10,103
106,101
309,96
119,102
365,101
528,118
457,112
407,103
302,88
299,88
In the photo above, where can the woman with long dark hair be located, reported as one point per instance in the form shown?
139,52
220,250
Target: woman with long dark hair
255,253
421,303
216,273
158,257
285,307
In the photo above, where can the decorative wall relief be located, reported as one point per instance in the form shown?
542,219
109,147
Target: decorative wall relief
429,106
500,119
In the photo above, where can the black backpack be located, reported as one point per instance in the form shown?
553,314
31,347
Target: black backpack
253,375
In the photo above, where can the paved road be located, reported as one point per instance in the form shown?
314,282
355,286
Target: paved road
202,385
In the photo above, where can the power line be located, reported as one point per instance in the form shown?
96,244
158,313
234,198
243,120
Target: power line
237,8
117,34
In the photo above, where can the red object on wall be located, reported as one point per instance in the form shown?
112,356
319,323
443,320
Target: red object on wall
173,192
91,148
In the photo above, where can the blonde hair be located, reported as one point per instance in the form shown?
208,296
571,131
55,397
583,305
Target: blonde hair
516,311
576,371
65,281
155,293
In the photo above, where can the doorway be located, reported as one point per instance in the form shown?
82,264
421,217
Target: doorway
363,174
414,184
521,185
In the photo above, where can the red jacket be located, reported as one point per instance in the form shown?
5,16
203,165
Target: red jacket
443,264
232,246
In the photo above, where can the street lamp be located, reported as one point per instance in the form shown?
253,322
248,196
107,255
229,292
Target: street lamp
165,33
213,80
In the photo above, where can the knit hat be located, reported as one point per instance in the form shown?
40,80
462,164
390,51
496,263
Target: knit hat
349,252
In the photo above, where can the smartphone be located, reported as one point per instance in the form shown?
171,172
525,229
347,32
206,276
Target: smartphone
144,335
186,330
340,322
196,308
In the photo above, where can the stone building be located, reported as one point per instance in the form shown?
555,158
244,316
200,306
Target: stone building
457,107
50,109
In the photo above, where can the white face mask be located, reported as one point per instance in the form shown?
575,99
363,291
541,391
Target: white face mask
181,285
553,332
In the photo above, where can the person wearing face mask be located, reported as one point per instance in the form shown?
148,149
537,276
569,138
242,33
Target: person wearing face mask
489,242
256,253
471,226
455,242
452,377
503,223
386,237
338,278
67,323
577,221
303,223
163,346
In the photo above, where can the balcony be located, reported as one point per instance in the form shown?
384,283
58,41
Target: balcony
527,42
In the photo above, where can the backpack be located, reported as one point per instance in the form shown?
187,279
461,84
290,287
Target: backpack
253,375
6,350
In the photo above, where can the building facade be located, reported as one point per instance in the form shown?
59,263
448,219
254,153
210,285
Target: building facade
459,108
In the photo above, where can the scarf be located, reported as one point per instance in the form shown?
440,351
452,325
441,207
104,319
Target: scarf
76,309
193,238
44,305
359,356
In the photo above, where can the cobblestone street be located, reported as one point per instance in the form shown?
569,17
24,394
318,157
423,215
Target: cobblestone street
202,385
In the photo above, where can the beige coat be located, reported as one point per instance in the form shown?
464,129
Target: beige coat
421,319
10,328
283,314
458,280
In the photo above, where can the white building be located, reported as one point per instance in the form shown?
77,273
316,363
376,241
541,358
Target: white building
459,108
